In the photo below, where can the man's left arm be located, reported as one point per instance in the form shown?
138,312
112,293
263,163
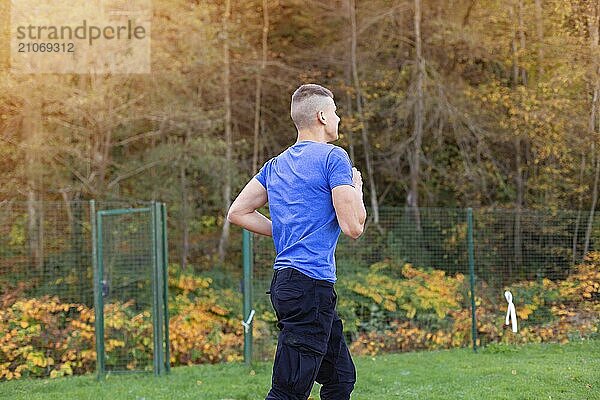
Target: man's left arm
243,210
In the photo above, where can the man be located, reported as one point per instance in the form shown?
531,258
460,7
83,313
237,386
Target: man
313,192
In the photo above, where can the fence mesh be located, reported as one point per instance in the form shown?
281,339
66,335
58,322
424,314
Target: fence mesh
404,285
127,289
47,288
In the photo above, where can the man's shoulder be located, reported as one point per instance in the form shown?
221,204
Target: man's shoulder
320,151
327,149
337,152
337,148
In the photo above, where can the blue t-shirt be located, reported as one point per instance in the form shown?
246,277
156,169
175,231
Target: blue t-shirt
305,227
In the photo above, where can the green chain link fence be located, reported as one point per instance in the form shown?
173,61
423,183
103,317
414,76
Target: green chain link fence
61,262
406,285
402,286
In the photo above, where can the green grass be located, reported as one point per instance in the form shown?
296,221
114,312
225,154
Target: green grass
545,371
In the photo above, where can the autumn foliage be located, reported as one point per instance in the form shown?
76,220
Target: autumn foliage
437,314
44,337
389,307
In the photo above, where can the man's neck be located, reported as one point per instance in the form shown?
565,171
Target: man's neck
307,136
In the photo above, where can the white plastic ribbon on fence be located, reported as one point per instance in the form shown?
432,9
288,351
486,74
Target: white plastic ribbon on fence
511,314
248,321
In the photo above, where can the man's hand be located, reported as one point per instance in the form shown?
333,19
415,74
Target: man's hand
356,178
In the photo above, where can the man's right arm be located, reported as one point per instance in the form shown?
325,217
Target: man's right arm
349,206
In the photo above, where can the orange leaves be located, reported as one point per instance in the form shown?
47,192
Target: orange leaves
41,335
391,307
584,284
219,310
205,332
404,336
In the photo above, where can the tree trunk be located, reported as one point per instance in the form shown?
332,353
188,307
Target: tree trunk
588,232
539,24
415,164
593,27
228,142
519,178
514,50
106,144
519,181
579,209
522,41
258,94
349,109
359,108
185,242
101,143
32,118
348,76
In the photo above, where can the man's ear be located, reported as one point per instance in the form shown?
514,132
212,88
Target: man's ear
321,117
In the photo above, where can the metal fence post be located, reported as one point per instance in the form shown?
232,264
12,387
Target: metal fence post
247,261
472,276
96,222
165,272
159,286
157,342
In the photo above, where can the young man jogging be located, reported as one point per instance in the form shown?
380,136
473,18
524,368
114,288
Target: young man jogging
313,193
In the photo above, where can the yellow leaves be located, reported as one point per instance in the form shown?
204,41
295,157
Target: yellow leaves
409,272
17,232
190,283
403,336
432,290
379,266
70,355
65,369
389,305
548,284
88,355
420,291
7,374
411,310
562,311
584,284
38,359
525,311
377,297
30,354
111,344
4,371
113,322
425,307
561,308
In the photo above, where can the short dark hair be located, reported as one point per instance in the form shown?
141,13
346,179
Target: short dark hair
306,101
310,89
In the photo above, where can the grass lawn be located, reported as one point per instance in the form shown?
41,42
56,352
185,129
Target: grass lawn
546,371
